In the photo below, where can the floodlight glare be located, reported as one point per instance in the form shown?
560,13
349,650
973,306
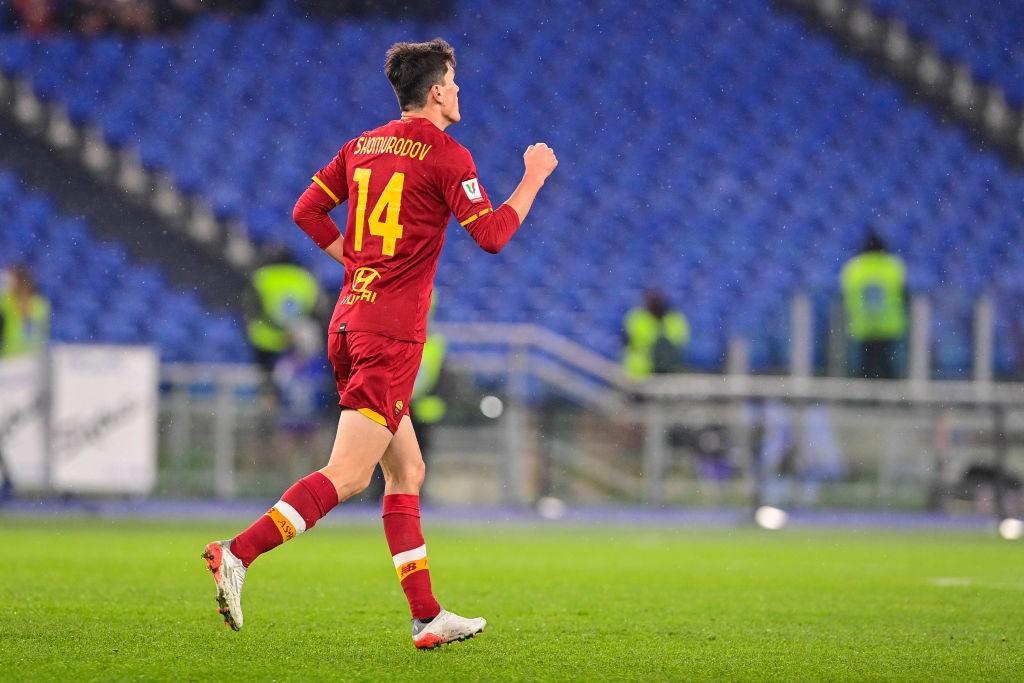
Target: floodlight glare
1011,529
772,518
549,507
492,407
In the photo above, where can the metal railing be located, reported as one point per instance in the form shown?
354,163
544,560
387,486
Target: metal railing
595,435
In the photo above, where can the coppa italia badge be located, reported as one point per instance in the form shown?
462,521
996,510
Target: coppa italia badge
472,189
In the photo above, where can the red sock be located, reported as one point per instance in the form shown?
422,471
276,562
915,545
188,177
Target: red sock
301,506
405,539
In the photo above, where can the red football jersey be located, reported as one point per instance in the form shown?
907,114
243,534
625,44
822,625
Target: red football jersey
402,181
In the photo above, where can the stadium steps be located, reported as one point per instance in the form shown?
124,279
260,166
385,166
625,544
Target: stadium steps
983,107
148,237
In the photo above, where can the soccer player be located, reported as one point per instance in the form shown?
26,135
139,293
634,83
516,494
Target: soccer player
401,181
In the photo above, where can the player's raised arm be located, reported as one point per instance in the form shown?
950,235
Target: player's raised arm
493,229
311,211
540,161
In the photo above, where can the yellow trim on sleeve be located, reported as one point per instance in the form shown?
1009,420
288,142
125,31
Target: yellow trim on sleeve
474,217
326,189
373,415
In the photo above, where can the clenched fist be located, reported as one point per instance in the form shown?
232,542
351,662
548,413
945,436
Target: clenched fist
540,161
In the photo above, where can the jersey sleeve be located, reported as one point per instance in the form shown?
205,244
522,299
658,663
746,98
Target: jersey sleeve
332,178
461,187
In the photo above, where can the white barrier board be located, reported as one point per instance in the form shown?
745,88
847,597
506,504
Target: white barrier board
22,421
103,418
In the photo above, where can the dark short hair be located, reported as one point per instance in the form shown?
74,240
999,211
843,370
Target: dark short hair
413,68
874,242
21,274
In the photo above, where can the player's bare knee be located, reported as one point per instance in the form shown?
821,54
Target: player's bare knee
407,476
360,483
417,474
346,482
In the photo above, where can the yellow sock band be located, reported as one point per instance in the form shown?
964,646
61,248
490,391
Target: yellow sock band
410,562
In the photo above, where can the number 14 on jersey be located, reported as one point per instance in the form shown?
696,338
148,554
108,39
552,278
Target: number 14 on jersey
384,215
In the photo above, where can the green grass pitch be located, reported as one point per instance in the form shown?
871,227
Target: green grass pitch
102,600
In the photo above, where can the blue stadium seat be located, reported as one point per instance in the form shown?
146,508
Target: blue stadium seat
97,294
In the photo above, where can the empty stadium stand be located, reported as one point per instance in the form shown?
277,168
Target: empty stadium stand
98,293
720,151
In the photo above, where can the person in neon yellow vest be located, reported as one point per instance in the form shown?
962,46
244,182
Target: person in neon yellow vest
282,295
24,328
654,337
24,316
874,298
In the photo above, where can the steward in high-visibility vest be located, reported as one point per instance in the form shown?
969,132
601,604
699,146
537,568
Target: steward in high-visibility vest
427,407
281,294
24,317
655,337
873,285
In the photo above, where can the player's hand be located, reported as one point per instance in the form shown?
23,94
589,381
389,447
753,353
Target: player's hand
540,161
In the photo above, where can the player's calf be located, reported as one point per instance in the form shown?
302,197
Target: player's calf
300,508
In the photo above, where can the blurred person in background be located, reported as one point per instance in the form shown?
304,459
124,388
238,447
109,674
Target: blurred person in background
24,315
797,452
874,298
24,328
93,17
35,16
654,338
281,306
428,408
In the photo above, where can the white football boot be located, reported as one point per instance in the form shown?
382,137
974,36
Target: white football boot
446,627
228,573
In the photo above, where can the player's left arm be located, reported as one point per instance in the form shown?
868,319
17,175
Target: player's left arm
312,210
493,228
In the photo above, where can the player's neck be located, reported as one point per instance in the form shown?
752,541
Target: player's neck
435,117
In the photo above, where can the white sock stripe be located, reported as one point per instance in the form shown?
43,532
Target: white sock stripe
410,555
292,515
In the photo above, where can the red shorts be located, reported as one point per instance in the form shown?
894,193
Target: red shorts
375,374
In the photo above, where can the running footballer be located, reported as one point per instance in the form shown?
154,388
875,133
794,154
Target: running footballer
401,183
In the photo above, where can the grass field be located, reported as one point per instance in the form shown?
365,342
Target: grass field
117,600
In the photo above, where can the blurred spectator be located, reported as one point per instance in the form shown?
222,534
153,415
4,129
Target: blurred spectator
795,448
97,16
280,305
428,408
24,315
874,296
654,338
299,377
430,10
35,16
